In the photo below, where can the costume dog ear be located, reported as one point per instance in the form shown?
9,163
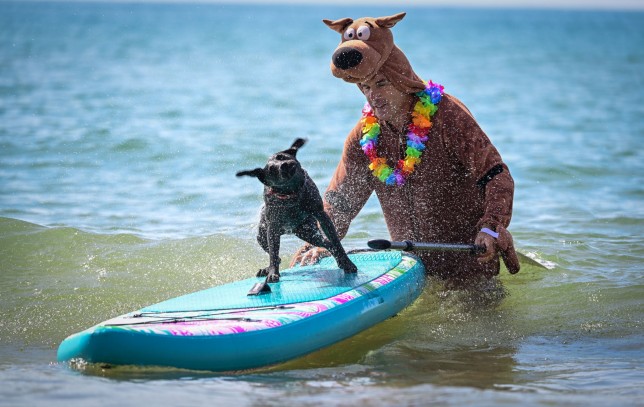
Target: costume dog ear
338,25
390,21
257,173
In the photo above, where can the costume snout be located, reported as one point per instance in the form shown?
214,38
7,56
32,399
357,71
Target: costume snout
355,61
346,57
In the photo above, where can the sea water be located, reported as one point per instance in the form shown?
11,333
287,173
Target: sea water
122,127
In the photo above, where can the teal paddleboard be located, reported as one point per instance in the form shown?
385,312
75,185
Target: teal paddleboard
224,329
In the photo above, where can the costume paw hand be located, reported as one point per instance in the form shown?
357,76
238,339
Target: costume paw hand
489,242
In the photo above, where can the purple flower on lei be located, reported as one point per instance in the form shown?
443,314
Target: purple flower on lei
368,146
400,180
416,139
434,91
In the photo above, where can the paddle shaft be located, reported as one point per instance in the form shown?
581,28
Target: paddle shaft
382,244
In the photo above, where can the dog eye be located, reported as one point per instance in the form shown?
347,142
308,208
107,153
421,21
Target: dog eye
363,32
349,34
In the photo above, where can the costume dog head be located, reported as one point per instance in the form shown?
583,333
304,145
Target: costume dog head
367,47
282,169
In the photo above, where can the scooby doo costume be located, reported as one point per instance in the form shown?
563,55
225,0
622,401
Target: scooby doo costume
441,180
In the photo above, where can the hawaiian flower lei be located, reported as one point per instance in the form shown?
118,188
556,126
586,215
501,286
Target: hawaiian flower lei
417,131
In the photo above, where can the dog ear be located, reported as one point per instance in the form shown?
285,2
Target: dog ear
390,21
257,173
338,25
295,146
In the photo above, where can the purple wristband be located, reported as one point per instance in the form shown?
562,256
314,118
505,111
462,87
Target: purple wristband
490,232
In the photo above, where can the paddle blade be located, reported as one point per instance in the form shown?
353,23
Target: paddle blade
379,244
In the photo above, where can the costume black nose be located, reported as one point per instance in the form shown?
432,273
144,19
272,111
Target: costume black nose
345,58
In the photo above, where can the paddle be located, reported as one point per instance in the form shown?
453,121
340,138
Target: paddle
383,244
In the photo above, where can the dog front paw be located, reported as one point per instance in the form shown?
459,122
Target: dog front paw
274,278
274,274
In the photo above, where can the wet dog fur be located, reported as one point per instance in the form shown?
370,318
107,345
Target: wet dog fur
292,204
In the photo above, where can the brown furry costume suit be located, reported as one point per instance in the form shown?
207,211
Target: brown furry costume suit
461,184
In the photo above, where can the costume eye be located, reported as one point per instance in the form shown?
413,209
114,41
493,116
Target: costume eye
350,34
363,33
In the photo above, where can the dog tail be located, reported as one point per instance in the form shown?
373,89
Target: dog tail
295,146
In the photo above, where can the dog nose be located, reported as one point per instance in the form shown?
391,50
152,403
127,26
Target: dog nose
287,170
345,58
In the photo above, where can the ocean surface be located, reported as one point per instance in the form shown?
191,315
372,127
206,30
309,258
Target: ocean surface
121,129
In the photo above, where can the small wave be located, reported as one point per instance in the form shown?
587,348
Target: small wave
533,259
132,144
60,280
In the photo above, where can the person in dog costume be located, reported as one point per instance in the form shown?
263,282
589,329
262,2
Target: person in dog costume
436,174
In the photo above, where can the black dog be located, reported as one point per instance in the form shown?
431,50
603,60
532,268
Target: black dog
292,204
